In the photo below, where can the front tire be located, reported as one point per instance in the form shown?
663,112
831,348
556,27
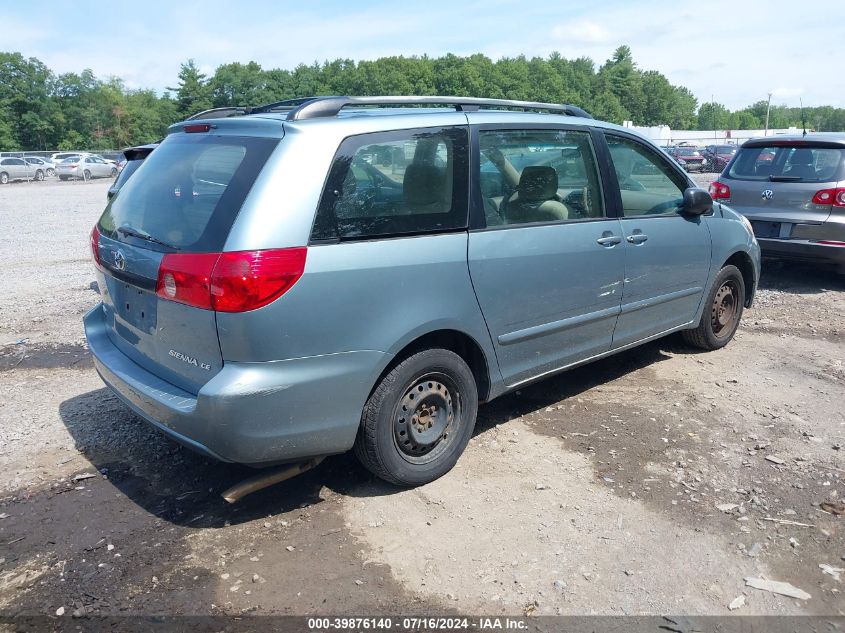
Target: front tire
4,178
419,419
86,175
722,311
39,176
51,172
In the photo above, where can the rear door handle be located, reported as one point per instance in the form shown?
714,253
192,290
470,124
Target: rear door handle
609,240
637,238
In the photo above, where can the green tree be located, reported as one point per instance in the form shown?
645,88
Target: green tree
193,94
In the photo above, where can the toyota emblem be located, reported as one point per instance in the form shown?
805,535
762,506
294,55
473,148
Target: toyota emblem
119,260
768,194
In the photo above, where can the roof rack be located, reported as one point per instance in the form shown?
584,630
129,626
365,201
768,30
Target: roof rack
319,107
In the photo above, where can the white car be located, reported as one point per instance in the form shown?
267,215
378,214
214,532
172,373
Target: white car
85,168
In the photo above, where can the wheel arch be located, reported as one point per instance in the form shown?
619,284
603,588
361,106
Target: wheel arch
744,263
455,341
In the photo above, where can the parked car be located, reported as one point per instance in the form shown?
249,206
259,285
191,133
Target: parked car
60,156
46,166
792,188
718,156
268,298
689,157
18,169
85,168
132,159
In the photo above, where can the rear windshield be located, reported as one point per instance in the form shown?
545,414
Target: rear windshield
788,163
688,151
187,193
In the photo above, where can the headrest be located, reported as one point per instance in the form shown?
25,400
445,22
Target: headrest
801,156
537,183
423,185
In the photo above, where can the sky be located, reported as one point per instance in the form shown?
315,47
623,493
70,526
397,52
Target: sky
733,51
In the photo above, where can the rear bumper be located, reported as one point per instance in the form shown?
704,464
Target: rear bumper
250,413
803,250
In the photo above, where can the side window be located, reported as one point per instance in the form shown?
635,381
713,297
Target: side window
395,183
537,175
647,182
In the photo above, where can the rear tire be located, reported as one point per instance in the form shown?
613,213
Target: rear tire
722,311
419,419
4,178
86,175
113,172
39,176
51,172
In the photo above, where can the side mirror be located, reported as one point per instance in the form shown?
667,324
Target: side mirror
696,201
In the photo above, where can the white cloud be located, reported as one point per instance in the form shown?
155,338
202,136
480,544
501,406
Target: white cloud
582,31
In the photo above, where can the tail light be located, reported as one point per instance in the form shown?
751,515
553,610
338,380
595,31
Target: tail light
95,246
229,282
836,197
719,190
196,127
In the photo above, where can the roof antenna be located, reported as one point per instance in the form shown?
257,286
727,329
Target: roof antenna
803,122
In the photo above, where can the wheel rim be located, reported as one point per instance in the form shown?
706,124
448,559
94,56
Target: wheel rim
427,418
725,310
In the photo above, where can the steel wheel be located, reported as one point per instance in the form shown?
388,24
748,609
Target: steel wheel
419,418
725,309
425,417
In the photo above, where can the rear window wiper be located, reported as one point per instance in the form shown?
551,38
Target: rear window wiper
785,178
129,231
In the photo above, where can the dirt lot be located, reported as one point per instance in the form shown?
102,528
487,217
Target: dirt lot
593,492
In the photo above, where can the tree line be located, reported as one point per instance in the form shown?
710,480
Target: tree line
40,110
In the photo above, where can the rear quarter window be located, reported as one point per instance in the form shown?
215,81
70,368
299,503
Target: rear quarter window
396,183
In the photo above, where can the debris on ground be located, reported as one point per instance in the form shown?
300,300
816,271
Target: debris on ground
775,586
737,603
831,571
832,507
775,459
727,508
84,476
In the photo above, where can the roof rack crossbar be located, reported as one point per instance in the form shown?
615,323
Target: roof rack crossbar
320,107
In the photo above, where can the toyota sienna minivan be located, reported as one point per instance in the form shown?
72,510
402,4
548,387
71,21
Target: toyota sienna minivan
307,279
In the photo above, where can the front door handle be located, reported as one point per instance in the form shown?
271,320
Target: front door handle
637,238
609,240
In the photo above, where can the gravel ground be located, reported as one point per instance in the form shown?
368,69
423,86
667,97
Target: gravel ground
655,481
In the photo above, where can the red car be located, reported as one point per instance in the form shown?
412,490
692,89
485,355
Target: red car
688,156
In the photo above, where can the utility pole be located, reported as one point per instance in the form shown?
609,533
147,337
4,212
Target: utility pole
768,105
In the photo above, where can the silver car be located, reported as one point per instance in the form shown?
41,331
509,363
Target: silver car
48,168
792,188
12,168
85,167
311,278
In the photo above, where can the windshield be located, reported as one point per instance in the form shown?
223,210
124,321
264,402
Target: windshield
793,163
688,151
188,191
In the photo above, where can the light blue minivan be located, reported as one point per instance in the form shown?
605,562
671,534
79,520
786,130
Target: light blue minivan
361,272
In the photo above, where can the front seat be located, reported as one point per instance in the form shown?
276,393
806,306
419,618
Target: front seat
536,198
801,165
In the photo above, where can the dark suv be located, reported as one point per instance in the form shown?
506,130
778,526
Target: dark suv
792,188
